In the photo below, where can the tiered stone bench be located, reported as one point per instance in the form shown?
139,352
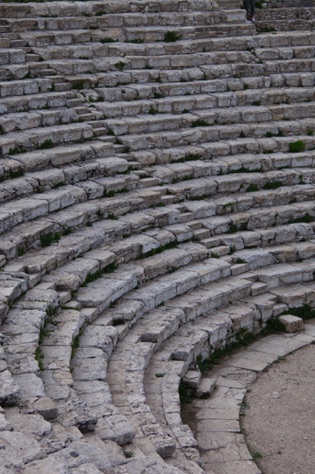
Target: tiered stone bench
157,203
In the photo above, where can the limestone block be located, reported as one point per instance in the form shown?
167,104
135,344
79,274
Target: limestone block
9,390
256,258
47,466
192,378
46,407
116,428
75,412
206,387
32,425
18,449
291,323
89,365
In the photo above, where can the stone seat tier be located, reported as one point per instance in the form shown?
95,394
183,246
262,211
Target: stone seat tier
184,128
36,390
193,45
157,71
162,390
231,139
116,21
163,54
173,290
36,102
248,213
18,142
288,25
12,56
287,188
193,102
69,9
151,55
193,83
196,165
24,87
31,69
60,156
21,121
45,446
286,18
97,172
209,186
223,151
140,356
294,271
72,168
248,116
226,139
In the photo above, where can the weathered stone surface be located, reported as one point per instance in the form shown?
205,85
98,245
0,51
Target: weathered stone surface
74,412
33,425
46,408
9,390
291,323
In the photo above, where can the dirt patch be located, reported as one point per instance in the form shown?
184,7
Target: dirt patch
279,425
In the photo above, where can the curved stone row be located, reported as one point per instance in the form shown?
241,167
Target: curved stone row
156,194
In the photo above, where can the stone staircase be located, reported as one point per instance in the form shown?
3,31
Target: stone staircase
157,203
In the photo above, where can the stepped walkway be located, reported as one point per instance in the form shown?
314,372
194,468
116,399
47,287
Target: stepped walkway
157,204
216,421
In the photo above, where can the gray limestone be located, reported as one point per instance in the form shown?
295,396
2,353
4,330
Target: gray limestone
152,210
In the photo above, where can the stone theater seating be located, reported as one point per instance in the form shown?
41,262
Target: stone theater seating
156,202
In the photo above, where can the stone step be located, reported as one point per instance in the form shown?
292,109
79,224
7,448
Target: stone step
155,121
95,8
140,361
34,437
194,83
195,165
226,139
57,351
72,36
25,87
63,156
158,103
15,143
231,138
47,100
128,20
282,234
42,260
160,56
22,334
20,121
12,56
48,231
162,70
234,377
92,386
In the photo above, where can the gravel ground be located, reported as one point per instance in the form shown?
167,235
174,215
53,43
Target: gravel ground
279,424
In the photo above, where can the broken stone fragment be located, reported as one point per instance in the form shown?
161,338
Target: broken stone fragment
292,323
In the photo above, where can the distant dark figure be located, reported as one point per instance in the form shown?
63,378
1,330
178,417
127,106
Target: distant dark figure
250,8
